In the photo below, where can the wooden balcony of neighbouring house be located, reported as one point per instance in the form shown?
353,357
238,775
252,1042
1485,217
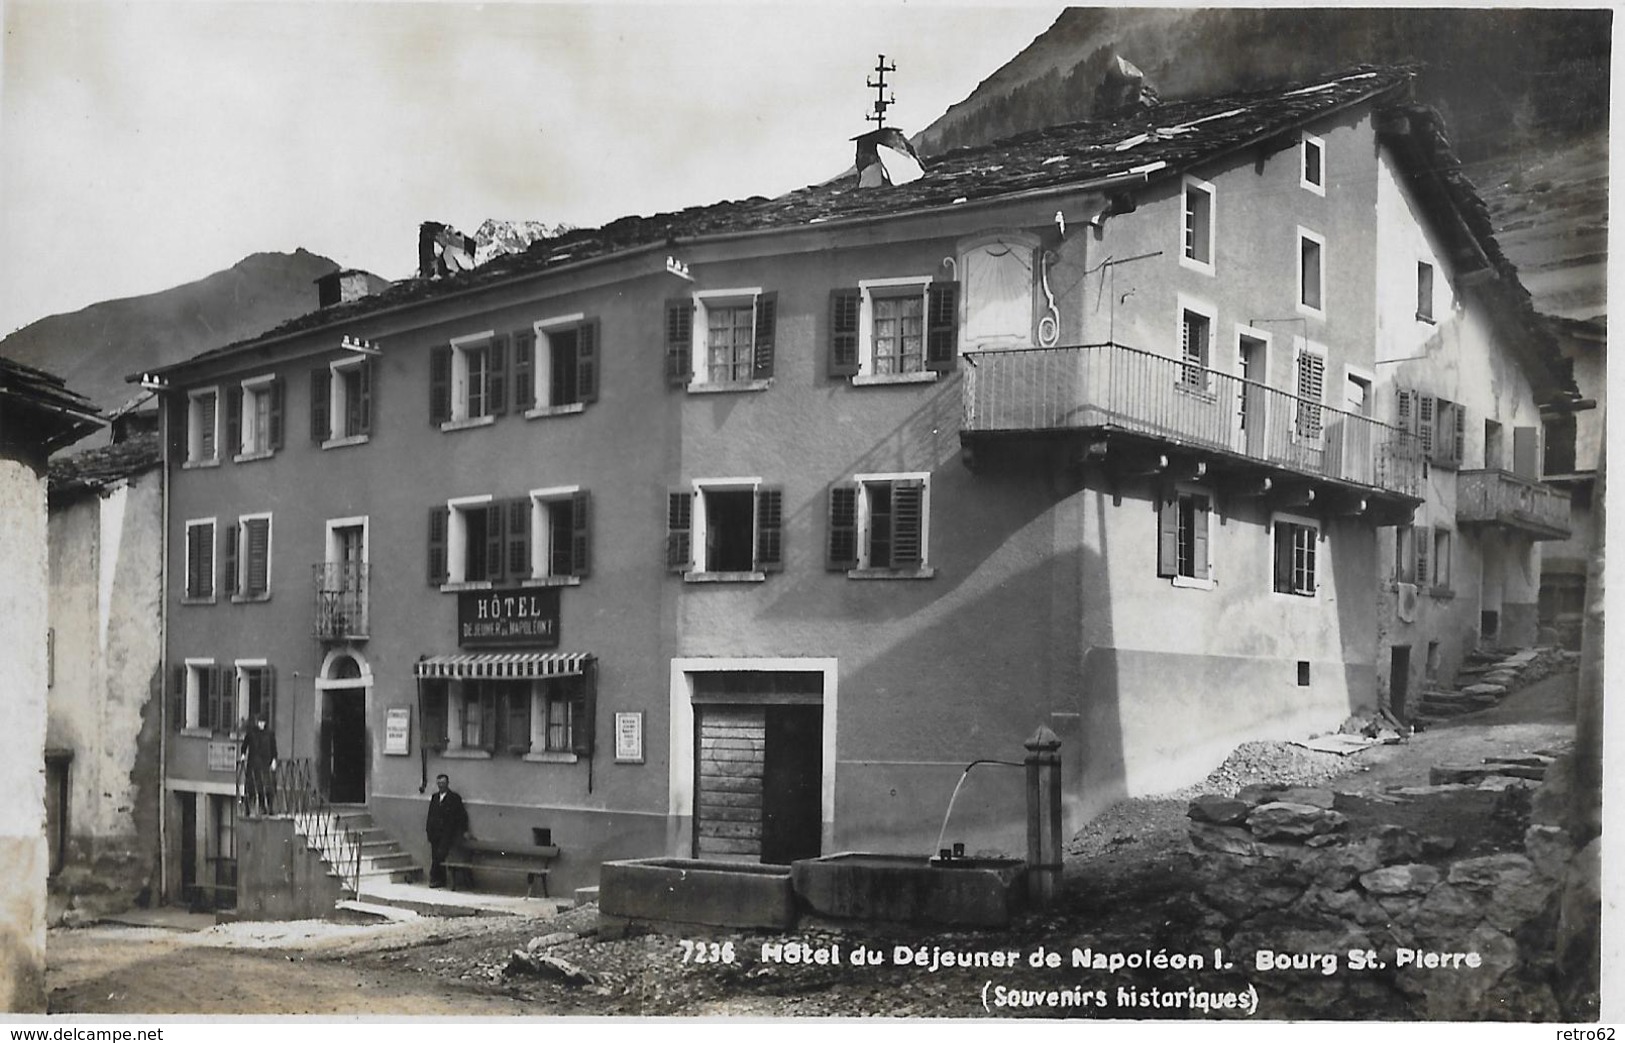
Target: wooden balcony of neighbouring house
1492,497
1137,412
341,602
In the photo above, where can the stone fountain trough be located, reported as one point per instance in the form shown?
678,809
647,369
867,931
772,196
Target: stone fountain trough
964,892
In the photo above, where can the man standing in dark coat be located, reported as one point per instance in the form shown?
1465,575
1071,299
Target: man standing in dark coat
447,823
257,754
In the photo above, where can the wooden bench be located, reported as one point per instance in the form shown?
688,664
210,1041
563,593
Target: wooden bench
530,859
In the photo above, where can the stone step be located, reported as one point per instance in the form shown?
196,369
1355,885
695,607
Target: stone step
395,875
392,860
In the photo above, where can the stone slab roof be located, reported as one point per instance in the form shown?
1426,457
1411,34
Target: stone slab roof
96,469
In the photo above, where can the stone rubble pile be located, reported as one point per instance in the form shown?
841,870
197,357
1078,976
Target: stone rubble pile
1486,678
1280,870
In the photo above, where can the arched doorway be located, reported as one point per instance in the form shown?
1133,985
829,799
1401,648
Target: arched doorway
342,742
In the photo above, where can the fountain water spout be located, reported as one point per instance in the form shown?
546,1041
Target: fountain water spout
955,795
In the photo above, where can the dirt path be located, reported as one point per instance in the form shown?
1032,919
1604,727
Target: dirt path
1120,873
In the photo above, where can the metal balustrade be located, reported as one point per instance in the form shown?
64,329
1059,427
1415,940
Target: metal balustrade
1109,386
297,792
1497,497
341,601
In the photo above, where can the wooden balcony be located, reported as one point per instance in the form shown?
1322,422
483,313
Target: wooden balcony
341,601
1225,422
1522,504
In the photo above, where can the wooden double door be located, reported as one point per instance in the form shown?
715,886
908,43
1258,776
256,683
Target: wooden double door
758,785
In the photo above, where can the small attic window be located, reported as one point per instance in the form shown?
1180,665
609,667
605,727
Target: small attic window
1313,164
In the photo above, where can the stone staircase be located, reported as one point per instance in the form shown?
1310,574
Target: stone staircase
1485,678
382,859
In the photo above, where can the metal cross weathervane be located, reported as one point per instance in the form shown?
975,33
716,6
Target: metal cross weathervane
882,101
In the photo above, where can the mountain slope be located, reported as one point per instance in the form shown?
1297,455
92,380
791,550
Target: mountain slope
95,348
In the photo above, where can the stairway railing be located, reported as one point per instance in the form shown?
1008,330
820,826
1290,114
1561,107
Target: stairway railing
299,794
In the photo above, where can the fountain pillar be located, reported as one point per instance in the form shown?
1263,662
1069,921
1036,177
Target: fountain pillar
1044,852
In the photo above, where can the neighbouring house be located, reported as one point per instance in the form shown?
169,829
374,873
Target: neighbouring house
38,415
741,531
103,739
1574,438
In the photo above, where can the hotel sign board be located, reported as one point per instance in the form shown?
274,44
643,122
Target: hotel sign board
508,618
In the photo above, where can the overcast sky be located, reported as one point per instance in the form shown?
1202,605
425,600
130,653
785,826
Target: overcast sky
143,145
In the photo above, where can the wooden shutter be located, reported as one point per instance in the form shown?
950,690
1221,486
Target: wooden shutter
1426,407
767,311
228,573
268,695
234,419
518,718
1201,507
580,534
440,385
432,710
524,370
770,528
908,523
258,555
583,710
206,417
437,545
1168,536
178,410
276,391
679,341
1525,445
496,515
1459,435
587,362
1311,386
496,386
222,705
845,307
519,538
320,401
366,381
942,327
177,698
1424,548
679,530
841,549
1283,557
488,716
1406,419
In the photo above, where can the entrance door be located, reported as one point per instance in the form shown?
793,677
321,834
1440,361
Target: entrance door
188,859
344,742
1399,681
791,819
1251,407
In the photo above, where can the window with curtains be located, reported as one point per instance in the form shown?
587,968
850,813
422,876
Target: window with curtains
894,330
540,719
721,340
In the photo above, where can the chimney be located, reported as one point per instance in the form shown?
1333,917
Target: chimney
884,155
1123,91
442,250
886,158
341,287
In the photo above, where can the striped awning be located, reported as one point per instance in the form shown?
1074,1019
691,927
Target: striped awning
511,666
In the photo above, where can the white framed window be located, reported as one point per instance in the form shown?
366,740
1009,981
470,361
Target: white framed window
202,427
725,529
248,558
559,548
1312,164
880,526
465,542
1296,542
1309,385
255,419
721,340
255,688
900,330
1424,292
1196,227
342,603
1197,323
342,401
555,366
1183,532
1311,273
559,719
200,560
468,380
203,697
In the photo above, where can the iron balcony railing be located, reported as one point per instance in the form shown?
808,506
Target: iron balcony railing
297,792
1494,497
1110,386
341,601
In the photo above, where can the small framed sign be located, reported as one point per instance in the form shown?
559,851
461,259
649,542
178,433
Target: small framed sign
222,756
398,731
629,738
